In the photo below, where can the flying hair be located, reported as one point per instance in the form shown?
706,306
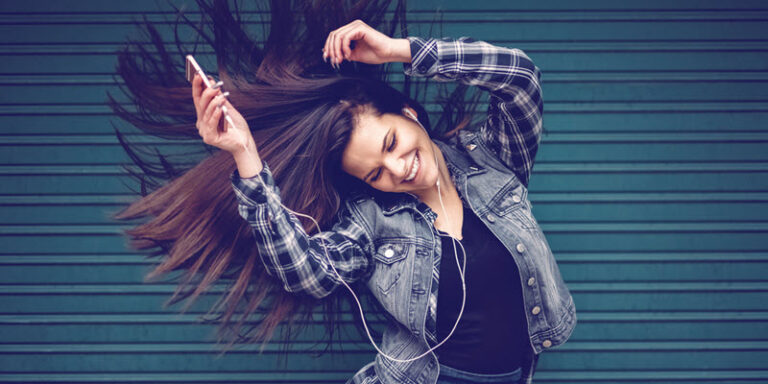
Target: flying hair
300,112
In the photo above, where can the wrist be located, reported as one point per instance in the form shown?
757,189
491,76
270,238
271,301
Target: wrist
401,51
248,161
243,151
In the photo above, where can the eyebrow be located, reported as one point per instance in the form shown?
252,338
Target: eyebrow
383,148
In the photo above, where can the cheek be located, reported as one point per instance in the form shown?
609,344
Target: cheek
386,185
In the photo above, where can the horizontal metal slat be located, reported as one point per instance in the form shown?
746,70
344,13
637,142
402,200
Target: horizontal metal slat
738,286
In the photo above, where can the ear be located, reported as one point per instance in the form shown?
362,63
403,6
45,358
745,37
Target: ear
410,112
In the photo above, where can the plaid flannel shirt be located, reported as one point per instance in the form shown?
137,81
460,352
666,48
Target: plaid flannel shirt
513,125
512,130
288,253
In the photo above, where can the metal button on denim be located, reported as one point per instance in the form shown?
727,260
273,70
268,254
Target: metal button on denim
471,147
536,310
520,247
530,281
389,253
516,198
546,344
490,218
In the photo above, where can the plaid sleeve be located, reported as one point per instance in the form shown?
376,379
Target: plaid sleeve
513,126
298,260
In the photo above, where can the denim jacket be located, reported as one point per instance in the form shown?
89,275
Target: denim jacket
389,241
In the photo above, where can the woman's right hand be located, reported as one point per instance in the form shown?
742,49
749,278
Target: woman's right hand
211,124
371,46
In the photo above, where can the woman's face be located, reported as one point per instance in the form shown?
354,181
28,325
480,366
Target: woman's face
385,152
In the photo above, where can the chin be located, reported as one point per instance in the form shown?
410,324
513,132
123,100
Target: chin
428,182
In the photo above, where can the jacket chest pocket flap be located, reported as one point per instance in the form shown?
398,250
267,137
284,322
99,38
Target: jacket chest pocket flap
389,257
511,202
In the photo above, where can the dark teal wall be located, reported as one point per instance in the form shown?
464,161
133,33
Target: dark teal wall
651,186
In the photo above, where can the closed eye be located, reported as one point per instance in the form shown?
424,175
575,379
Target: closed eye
390,149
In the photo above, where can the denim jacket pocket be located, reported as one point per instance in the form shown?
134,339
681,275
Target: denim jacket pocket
389,257
512,202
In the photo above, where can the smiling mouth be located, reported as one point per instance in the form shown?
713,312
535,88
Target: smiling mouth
415,166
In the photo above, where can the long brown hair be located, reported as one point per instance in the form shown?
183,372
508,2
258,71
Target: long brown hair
300,112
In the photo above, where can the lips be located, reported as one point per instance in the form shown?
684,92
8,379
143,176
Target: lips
415,163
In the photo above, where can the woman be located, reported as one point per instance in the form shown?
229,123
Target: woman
439,230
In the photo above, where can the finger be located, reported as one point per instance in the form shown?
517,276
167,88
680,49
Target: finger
347,39
337,42
209,131
228,111
330,45
215,84
222,124
332,51
208,110
342,46
327,47
217,120
337,48
197,89
205,100
340,38
325,51
331,48
215,103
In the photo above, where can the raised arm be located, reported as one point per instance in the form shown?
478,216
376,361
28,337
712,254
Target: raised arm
288,252
512,129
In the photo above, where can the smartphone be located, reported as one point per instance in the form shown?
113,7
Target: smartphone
192,68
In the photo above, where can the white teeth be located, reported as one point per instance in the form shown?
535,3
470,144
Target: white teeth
414,169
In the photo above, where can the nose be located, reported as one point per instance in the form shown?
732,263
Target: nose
396,167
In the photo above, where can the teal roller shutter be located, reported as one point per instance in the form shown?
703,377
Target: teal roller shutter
651,186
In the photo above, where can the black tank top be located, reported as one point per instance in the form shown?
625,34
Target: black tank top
493,331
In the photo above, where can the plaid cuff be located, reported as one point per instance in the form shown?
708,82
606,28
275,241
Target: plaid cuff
251,191
423,57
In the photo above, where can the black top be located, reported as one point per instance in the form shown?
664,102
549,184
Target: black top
493,332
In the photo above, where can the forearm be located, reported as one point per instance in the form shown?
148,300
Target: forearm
287,251
301,262
499,70
514,124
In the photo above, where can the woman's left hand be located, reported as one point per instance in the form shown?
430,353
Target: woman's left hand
371,46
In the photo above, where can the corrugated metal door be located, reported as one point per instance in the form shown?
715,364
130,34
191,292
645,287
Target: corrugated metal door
650,185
